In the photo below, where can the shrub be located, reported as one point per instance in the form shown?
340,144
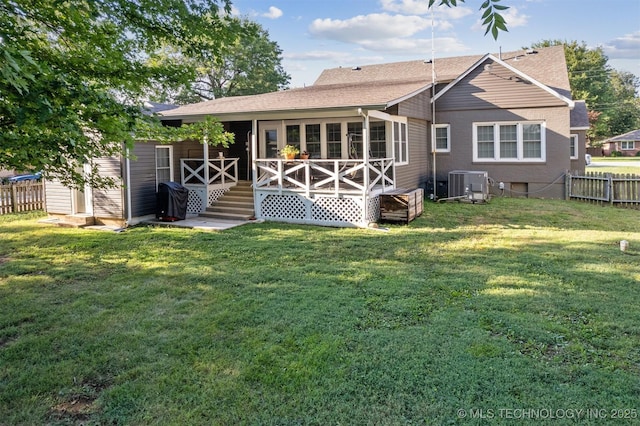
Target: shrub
616,154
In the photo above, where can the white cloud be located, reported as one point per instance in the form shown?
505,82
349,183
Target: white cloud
625,47
377,26
384,33
421,7
274,13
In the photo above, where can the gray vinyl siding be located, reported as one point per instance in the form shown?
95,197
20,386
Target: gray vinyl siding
415,174
579,163
58,197
535,175
143,179
109,203
498,87
143,172
418,106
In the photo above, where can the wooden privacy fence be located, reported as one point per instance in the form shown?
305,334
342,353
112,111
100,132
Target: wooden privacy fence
618,189
21,197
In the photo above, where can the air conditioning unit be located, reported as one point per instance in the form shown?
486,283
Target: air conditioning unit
470,185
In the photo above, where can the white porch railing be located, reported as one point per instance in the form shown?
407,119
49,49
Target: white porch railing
222,171
325,176
207,184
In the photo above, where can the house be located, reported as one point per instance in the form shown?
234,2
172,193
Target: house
628,144
368,130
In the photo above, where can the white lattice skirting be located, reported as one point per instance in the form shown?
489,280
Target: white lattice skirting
322,210
197,202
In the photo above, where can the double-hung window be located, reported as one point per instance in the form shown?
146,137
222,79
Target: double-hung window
443,137
573,147
377,143
293,135
164,164
400,136
523,142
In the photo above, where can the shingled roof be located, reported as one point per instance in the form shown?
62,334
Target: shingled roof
633,135
380,86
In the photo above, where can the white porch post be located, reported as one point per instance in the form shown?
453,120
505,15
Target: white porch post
205,149
365,157
254,168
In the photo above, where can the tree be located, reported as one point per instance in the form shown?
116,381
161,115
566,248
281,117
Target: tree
72,77
491,17
610,95
250,64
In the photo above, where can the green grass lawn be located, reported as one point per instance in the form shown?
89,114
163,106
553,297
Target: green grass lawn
621,168
470,311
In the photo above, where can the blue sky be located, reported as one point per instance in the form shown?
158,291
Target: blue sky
319,34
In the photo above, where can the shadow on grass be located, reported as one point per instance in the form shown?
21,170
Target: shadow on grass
273,323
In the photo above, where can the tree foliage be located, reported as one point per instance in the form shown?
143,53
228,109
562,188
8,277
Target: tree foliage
73,72
610,95
492,20
249,64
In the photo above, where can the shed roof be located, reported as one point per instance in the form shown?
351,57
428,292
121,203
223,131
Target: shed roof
379,86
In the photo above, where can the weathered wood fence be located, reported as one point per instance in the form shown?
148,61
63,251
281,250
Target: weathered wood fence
617,189
21,197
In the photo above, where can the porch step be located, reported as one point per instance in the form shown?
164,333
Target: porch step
235,204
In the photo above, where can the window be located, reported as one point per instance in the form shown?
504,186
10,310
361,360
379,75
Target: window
378,139
627,145
164,164
293,135
334,140
443,136
354,131
271,143
573,147
509,142
400,142
312,140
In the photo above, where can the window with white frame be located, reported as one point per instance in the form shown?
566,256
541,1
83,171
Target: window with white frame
573,147
378,139
400,135
443,137
626,145
334,140
313,140
293,135
164,164
508,141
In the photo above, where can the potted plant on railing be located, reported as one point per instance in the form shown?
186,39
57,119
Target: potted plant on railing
289,152
304,155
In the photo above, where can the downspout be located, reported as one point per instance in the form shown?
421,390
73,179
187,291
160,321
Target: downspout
127,166
433,104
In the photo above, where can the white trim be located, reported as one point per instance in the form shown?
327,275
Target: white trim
520,143
544,87
435,142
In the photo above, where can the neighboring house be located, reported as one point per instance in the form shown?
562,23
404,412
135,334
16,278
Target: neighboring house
628,144
369,130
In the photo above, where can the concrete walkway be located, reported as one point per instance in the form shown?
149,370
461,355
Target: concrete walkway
202,223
